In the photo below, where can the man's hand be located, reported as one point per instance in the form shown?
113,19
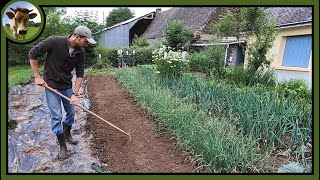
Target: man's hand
40,81
74,100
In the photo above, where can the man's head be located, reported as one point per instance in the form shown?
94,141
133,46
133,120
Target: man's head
20,19
83,37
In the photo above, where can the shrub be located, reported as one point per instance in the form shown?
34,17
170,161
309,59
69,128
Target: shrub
143,55
248,77
107,54
169,62
177,34
216,60
111,55
295,88
210,60
199,62
139,42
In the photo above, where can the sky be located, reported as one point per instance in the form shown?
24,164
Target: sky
138,11
24,4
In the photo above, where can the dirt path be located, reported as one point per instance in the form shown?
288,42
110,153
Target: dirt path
149,151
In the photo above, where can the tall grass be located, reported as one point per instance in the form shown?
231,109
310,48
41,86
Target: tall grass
216,144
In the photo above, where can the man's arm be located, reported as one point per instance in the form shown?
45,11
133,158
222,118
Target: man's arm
79,74
35,68
77,85
38,50
74,98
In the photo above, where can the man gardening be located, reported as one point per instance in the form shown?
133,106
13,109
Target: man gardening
64,53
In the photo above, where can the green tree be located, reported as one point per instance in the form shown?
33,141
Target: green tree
227,27
55,25
253,21
256,21
89,19
118,15
177,34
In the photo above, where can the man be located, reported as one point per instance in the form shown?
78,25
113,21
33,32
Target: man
63,55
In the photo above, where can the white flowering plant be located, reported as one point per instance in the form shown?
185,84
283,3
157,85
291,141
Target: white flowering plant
169,62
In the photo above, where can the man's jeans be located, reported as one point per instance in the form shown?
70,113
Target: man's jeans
55,108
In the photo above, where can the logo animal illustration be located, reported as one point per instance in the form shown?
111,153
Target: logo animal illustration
20,21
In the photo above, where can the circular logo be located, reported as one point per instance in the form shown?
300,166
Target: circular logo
22,21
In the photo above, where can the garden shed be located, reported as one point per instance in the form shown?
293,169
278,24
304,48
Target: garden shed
121,34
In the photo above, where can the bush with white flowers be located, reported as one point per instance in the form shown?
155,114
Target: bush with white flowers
169,62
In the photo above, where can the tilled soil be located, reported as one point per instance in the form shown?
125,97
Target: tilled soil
149,151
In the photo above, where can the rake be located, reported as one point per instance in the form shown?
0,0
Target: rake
79,106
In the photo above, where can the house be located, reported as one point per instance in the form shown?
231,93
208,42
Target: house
292,49
201,20
121,34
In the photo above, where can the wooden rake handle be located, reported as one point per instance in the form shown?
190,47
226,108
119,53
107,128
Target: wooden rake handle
87,110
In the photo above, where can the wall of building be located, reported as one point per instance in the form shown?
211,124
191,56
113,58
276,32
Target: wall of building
116,37
277,51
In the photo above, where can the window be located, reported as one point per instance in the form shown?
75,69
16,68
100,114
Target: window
297,51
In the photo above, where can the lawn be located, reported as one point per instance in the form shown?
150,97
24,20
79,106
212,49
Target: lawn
20,74
32,31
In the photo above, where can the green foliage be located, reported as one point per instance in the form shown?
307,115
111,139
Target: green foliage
118,15
89,19
30,35
103,62
295,88
216,57
253,21
33,24
227,27
225,126
256,21
168,62
199,62
214,143
55,25
177,34
210,60
20,74
247,77
143,55
108,54
139,42
85,18
18,53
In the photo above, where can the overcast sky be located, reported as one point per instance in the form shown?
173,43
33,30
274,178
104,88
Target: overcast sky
24,4
138,11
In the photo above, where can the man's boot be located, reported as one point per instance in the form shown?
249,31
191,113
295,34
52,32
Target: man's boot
63,148
67,134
